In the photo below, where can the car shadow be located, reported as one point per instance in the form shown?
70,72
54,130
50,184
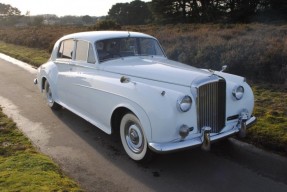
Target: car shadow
217,170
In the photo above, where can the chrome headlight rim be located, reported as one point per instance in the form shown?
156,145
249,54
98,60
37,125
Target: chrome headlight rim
184,103
238,92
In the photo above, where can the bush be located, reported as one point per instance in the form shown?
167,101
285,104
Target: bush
256,51
42,37
106,25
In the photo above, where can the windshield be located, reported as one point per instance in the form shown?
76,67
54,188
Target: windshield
126,47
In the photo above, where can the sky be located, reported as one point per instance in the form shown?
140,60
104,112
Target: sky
65,7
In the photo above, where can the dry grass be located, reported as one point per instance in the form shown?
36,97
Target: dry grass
256,51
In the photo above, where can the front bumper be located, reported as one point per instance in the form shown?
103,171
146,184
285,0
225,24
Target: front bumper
183,144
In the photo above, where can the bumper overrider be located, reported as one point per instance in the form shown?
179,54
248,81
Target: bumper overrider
205,138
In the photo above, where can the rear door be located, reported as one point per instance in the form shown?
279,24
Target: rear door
85,71
63,61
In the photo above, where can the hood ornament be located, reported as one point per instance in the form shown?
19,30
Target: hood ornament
224,67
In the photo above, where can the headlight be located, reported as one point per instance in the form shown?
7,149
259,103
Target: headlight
184,103
238,92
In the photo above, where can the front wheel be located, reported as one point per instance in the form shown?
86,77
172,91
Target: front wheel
133,138
49,96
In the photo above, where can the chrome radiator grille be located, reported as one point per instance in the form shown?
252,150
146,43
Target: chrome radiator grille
211,104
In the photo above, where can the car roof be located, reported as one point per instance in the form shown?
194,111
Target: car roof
93,36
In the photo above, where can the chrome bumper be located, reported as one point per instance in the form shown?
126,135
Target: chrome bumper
182,144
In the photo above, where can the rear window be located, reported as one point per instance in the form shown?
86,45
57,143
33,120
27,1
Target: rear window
66,49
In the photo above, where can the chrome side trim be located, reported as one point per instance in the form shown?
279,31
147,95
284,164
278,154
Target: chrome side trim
150,79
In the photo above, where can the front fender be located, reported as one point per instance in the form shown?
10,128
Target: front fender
160,105
141,115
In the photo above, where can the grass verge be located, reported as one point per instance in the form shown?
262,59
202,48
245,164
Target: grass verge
32,56
270,131
22,168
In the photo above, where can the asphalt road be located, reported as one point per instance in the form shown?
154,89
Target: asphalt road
98,162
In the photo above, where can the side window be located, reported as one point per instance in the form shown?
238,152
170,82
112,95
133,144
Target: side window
82,51
91,55
85,52
66,49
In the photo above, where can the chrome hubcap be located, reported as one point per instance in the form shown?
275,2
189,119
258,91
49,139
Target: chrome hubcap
134,138
49,94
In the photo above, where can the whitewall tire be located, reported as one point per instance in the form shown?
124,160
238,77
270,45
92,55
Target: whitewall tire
133,138
49,96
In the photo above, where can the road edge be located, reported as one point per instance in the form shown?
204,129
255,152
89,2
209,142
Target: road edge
266,163
19,63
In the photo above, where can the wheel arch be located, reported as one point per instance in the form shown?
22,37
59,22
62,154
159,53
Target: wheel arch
43,81
121,110
116,118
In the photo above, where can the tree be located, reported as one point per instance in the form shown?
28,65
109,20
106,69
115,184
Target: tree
242,10
70,20
7,10
9,15
174,11
184,11
276,8
135,13
38,20
119,13
87,19
164,11
139,12
280,5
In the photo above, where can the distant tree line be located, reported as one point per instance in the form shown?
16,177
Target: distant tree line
11,16
135,13
190,11
8,10
138,12
8,14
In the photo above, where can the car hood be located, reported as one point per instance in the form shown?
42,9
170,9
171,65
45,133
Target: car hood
156,69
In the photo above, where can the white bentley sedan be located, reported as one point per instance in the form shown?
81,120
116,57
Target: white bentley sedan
123,83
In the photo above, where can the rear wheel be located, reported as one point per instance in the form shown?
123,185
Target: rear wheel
49,96
133,138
